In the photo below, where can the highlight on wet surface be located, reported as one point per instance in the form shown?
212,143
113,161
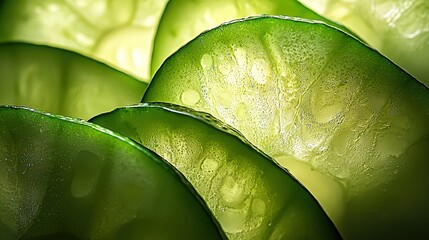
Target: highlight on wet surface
250,195
66,178
176,28
301,89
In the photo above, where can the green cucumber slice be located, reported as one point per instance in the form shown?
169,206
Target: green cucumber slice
65,178
251,196
176,27
62,82
398,29
302,91
119,32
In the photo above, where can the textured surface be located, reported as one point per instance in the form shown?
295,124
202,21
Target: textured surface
302,90
397,28
183,20
64,178
248,193
62,82
119,32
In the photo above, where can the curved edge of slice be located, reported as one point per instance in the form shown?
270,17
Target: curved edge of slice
62,82
56,170
248,192
117,32
305,91
176,28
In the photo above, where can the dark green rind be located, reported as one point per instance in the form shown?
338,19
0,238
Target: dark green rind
62,82
61,177
251,196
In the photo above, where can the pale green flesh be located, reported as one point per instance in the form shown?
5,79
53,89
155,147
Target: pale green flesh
248,193
67,178
62,82
314,93
119,32
329,192
176,27
399,29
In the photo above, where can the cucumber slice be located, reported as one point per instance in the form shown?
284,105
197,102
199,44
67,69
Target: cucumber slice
176,27
119,32
69,179
62,82
248,193
398,29
299,89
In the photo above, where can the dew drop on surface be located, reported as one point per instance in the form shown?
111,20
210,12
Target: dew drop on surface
206,61
190,97
261,71
86,169
231,192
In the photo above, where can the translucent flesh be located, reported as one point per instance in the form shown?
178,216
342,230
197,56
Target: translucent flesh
176,27
62,82
66,179
119,32
302,89
397,28
248,193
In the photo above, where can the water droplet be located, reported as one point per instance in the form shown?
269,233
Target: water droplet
86,170
261,71
190,97
206,61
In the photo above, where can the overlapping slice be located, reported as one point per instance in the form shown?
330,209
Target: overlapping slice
183,20
67,179
248,193
317,100
62,82
397,28
119,32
